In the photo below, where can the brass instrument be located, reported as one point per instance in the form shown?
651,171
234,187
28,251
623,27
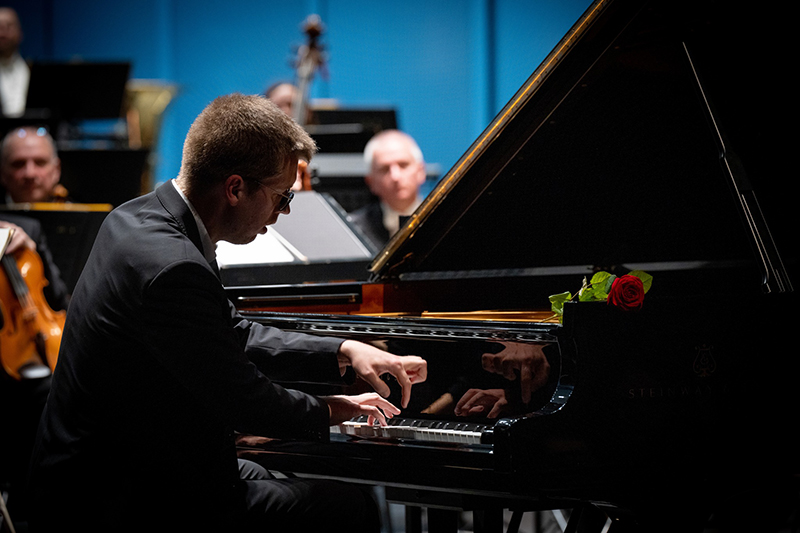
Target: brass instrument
146,101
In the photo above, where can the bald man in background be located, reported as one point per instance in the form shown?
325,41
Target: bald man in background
395,173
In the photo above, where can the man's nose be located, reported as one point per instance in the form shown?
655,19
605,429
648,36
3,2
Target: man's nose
30,168
394,172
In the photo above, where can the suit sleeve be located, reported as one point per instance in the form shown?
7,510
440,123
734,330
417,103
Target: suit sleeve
188,320
288,356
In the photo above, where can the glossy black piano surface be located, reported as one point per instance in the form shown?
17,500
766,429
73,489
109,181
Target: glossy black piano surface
641,142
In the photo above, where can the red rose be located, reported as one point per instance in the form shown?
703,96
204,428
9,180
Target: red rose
627,293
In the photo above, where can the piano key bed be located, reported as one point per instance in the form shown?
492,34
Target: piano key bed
416,429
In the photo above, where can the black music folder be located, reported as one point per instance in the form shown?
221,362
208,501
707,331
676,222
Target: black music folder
111,176
349,130
78,90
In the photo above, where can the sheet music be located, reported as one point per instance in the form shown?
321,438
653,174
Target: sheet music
5,238
270,247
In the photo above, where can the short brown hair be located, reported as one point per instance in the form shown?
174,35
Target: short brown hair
241,134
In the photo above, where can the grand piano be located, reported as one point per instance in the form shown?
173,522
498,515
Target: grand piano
640,142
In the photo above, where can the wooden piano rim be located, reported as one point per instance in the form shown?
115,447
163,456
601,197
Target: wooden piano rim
499,315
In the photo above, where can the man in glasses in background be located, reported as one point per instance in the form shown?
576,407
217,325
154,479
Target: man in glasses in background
157,371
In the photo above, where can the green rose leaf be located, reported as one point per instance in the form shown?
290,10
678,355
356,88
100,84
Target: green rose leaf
647,279
558,300
598,288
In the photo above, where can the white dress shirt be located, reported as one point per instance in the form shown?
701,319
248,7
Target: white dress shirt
14,77
391,218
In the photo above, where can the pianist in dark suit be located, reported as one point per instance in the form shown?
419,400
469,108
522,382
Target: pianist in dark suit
157,371
395,172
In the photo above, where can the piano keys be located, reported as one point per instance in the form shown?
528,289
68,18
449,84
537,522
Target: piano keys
418,429
624,150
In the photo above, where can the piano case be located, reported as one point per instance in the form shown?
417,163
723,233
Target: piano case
634,145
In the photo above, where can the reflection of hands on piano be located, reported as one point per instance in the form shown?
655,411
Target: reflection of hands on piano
370,363
370,404
476,402
526,359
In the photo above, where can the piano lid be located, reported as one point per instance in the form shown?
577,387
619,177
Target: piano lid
620,150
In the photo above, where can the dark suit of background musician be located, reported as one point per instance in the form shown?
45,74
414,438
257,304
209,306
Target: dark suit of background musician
395,172
156,369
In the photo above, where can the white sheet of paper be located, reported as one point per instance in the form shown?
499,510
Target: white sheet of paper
266,248
5,238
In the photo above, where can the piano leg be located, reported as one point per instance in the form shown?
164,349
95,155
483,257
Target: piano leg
516,520
588,519
413,519
488,520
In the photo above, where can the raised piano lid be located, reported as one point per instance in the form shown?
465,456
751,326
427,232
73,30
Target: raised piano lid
619,152
609,156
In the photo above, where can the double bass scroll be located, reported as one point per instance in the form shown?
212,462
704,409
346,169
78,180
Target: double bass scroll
309,59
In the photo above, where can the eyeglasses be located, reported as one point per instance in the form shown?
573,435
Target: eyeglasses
286,198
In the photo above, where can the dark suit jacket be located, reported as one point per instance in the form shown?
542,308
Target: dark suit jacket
156,372
369,219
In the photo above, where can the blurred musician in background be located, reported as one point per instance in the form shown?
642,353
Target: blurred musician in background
31,168
30,171
285,95
157,371
14,71
395,173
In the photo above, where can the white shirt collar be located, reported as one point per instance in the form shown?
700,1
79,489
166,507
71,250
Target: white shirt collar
391,218
209,248
14,85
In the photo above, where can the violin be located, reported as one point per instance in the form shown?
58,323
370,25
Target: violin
30,335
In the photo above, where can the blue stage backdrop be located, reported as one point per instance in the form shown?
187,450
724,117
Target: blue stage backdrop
447,67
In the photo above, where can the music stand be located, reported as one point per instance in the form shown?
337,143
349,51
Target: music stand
77,91
348,130
70,230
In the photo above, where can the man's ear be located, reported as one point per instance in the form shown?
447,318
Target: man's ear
421,173
235,189
57,172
